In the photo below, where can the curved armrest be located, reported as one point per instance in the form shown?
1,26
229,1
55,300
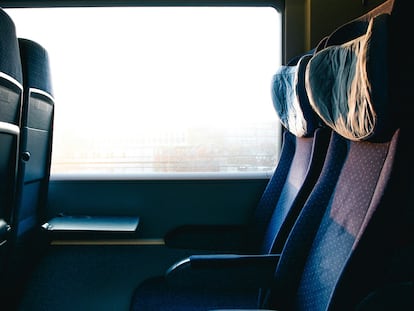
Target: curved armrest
223,271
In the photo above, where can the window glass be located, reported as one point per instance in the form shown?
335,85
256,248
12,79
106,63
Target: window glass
145,90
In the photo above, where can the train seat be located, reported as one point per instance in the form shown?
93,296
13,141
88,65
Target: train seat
36,137
10,109
28,239
356,220
303,152
303,149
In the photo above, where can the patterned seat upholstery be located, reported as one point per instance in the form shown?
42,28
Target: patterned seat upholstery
356,223
305,142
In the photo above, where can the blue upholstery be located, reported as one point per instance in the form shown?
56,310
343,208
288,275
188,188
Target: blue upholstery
357,221
325,236
304,147
355,225
287,190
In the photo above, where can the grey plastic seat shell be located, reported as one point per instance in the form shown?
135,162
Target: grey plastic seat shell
10,113
27,241
36,137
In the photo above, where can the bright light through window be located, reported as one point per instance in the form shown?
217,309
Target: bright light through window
160,90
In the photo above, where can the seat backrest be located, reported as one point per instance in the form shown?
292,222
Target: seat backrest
303,151
10,110
27,238
304,144
357,218
36,138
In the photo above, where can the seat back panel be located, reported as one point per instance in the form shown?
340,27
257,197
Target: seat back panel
344,218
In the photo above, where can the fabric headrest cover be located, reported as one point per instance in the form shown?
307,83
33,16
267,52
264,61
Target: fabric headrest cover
347,84
291,100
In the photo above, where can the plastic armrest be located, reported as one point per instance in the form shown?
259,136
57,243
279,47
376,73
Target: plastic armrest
223,271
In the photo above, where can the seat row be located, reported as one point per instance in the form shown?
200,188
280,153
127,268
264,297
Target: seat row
26,125
333,229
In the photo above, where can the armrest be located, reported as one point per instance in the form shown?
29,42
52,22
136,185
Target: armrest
223,271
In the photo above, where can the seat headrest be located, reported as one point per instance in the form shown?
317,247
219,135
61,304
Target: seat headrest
35,66
358,26
347,84
291,100
9,50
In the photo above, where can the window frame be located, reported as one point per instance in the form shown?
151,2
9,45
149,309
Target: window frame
276,4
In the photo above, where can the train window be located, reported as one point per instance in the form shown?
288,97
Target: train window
150,90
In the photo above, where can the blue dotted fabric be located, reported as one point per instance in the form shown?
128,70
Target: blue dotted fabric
334,220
